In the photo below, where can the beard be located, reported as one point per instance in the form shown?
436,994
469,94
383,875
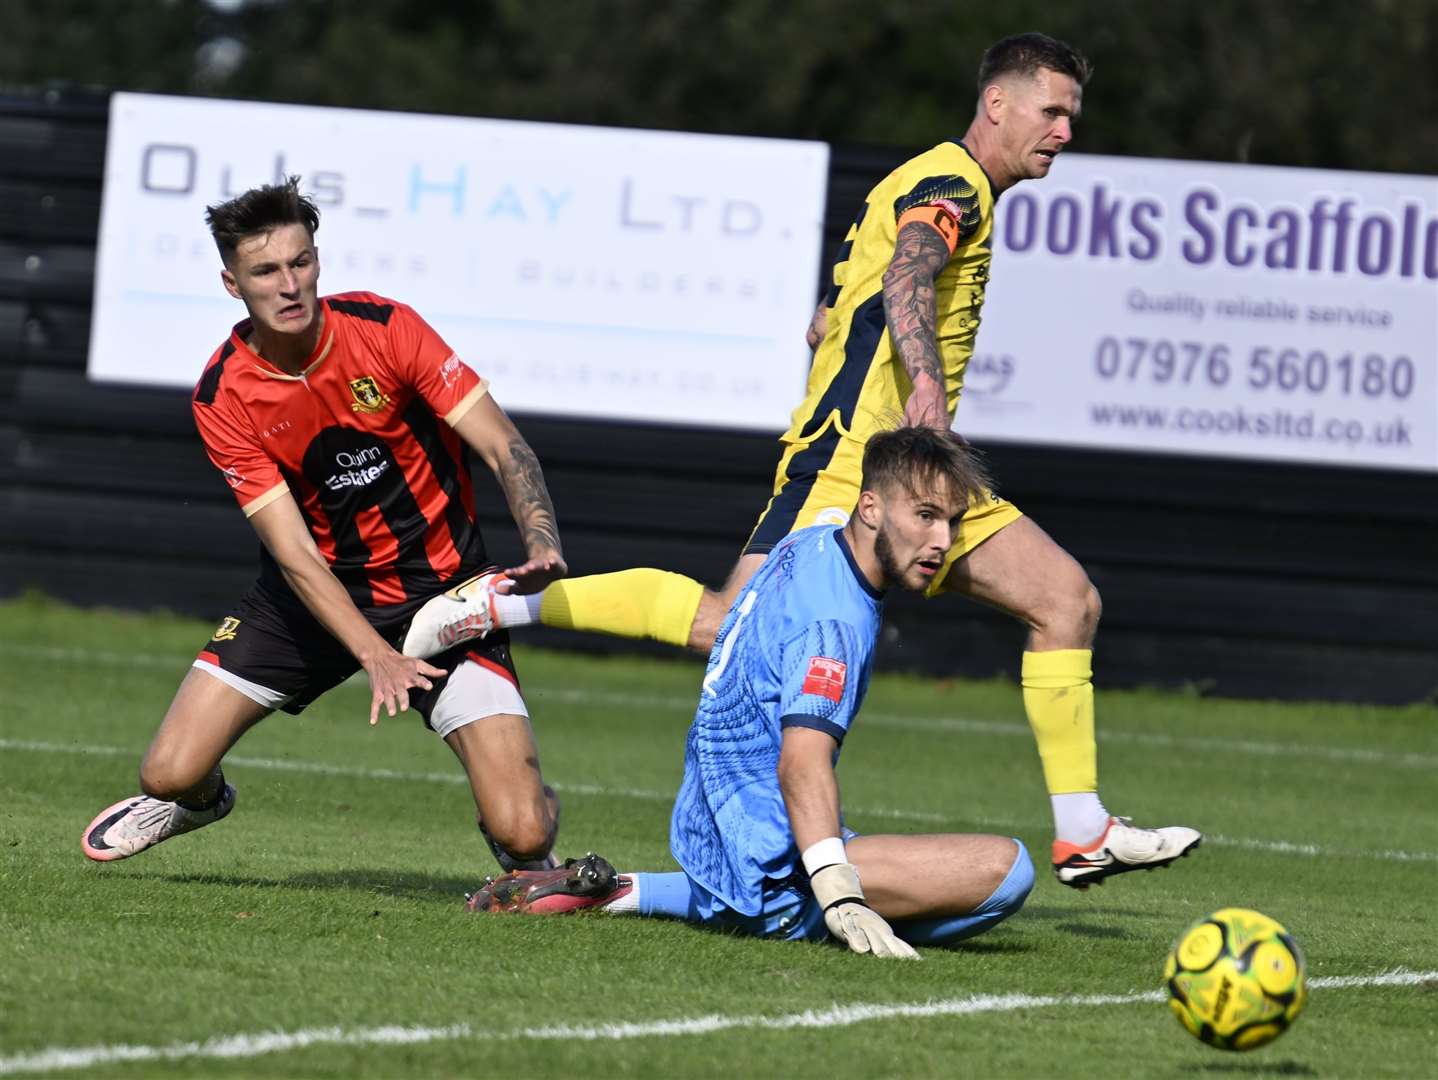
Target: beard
888,565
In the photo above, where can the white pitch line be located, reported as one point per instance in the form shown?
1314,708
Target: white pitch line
1287,847
56,1059
1016,729
964,725
322,768
927,817
1347,754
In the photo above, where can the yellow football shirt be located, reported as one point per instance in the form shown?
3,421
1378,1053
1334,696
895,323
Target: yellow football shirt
857,382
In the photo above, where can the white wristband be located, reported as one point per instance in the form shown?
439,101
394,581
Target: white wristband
825,853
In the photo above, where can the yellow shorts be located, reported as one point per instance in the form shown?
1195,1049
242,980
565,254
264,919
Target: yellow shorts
817,483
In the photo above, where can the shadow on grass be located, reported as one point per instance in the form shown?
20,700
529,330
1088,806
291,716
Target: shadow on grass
972,946
1078,929
1043,911
1069,921
396,883
982,947
1256,1068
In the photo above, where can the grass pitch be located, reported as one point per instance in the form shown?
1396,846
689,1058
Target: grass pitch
319,931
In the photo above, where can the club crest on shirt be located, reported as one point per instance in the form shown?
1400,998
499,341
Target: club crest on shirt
825,677
226,630
368,396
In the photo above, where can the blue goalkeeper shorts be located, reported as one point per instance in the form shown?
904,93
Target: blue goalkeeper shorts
789,910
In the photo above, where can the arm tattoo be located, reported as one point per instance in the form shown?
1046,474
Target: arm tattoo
523,482
909,299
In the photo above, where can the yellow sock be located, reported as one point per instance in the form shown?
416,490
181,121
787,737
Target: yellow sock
1058,697
628,603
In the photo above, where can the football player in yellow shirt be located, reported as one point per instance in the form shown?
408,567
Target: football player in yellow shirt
891,341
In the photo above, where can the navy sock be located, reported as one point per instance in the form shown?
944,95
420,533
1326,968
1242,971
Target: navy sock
209,802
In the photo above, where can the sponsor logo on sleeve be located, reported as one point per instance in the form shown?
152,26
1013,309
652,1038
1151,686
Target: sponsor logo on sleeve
451,370
825,677
953,208
233,476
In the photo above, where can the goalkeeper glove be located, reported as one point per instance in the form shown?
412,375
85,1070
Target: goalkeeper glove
849,919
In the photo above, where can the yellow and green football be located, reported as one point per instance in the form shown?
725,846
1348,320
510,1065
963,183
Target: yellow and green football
1235,979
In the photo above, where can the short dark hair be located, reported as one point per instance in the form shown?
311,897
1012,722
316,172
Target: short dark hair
258,211
1028,54
917,459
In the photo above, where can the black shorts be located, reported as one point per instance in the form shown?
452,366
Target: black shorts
286,651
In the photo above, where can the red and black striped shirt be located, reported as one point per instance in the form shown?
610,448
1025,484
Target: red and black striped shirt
363,440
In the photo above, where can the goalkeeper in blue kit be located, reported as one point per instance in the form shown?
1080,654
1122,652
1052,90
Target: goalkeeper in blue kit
757,825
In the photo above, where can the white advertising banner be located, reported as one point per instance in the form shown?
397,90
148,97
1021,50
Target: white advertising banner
1258,312
635,275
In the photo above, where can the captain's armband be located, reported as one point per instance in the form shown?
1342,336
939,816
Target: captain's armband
939,218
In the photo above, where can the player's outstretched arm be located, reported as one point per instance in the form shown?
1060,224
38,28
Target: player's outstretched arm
491,434
811,795
921,250
391,676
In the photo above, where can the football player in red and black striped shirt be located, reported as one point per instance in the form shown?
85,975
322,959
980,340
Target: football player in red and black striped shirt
344,426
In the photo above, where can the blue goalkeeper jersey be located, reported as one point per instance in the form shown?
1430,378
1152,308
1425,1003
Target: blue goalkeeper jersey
795,650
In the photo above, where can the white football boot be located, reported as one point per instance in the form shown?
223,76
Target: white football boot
463,613
139,822
1121,848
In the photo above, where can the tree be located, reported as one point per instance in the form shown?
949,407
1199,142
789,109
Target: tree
1294,82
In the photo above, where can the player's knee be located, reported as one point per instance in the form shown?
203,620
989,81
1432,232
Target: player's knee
1011,873
523,831
168,776
158,784
713,607
1072,609
1093,604
1014,887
